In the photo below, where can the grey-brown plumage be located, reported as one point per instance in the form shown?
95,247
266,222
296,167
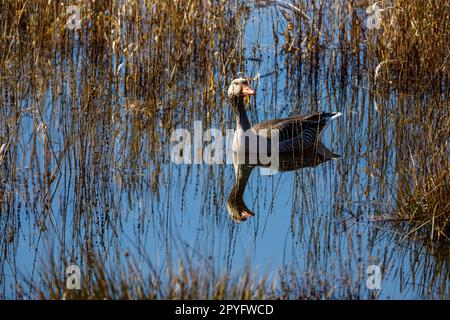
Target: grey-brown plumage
296,133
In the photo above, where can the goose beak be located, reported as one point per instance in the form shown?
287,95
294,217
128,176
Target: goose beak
247,91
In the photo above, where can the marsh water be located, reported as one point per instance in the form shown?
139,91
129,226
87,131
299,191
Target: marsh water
86,163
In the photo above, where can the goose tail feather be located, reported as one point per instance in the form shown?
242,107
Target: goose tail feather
334,115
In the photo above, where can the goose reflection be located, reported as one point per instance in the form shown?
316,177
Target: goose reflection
237,209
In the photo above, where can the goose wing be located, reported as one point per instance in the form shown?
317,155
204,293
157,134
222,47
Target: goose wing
294,128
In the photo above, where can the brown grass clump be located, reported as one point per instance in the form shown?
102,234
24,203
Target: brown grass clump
426,205
186,280
412,48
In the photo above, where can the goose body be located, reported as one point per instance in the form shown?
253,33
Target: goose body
296,133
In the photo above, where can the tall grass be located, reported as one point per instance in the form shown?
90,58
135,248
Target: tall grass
189,279
87,113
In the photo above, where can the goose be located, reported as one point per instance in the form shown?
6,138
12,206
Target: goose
296,133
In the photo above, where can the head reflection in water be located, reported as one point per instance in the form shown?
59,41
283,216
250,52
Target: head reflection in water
237,209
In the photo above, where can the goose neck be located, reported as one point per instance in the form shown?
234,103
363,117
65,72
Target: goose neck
242,121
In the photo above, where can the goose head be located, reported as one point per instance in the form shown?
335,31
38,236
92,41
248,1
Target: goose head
239,88
238,211
236,206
